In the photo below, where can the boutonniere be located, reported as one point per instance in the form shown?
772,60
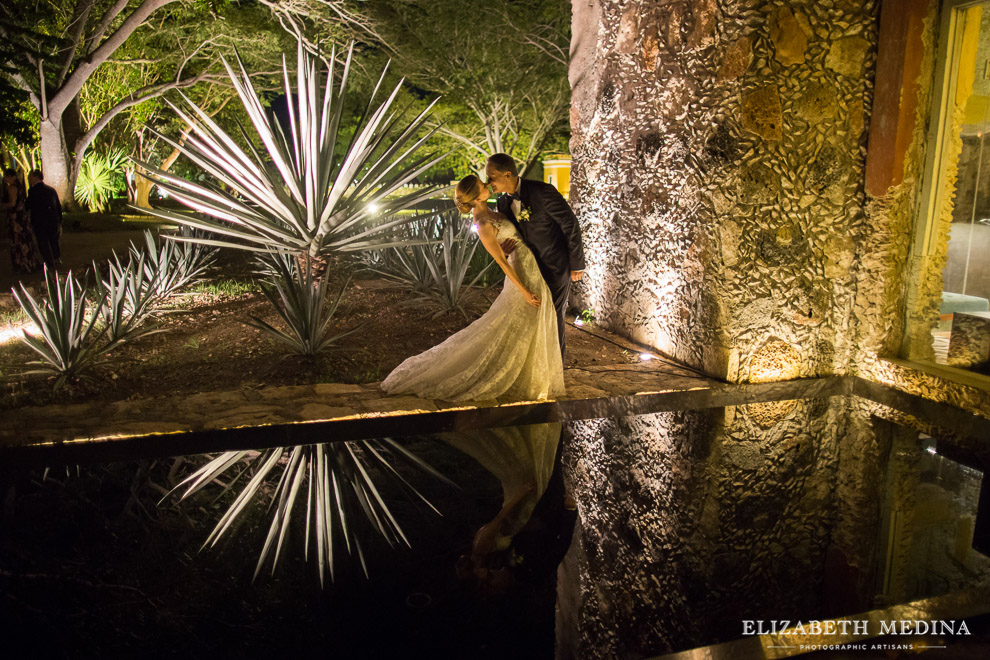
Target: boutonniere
523,215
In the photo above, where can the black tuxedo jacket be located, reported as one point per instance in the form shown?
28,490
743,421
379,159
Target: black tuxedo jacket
42,202
551,232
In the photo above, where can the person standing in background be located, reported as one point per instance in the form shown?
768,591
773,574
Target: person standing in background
46,218
23,253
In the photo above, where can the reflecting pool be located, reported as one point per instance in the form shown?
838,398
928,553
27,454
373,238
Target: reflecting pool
625,537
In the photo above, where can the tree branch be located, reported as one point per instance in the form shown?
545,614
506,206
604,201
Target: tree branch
73,85
79,17
457,136
97,35
139,60
140,96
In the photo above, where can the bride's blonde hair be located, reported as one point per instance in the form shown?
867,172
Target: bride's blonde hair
467,192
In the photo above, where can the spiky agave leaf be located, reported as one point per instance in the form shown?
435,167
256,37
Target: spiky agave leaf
172,264
302,302
130,298
70,340
297,197
338,481
437,271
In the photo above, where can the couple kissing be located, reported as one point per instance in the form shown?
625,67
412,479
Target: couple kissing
515,350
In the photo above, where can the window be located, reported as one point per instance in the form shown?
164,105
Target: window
957,191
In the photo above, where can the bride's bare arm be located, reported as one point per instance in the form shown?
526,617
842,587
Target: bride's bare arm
486,232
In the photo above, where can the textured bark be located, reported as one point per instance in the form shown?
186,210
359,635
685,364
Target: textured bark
55,161
60,121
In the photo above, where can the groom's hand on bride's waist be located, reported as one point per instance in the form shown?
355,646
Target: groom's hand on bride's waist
508,246
576,275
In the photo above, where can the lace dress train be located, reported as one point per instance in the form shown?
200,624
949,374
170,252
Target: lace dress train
511,351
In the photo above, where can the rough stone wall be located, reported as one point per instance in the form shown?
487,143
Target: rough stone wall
718,175
689,519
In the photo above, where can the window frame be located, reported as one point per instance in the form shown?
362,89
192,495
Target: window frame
924,243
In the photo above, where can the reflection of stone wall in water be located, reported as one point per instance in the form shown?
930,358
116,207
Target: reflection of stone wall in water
689,521
718,149
930,508
972,241
971,161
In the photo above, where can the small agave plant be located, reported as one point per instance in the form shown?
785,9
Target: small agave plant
300,195
70,339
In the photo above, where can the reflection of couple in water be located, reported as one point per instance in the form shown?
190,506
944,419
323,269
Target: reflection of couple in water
526,540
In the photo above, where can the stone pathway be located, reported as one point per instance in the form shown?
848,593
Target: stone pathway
263,407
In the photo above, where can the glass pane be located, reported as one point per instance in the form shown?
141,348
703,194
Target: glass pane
962,337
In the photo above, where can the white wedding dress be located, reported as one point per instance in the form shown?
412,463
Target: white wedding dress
511,351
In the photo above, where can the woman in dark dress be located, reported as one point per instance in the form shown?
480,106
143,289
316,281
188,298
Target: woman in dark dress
24,255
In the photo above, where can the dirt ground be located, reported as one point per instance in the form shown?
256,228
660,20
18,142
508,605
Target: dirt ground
85,237
205,345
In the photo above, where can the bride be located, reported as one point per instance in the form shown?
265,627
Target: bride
512,350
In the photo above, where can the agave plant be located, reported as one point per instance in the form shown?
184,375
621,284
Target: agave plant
130,298
339,487
302,196
302,302
171,264
100,177
437,272
70,340
408,268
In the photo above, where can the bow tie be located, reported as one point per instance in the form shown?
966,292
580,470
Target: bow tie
515,195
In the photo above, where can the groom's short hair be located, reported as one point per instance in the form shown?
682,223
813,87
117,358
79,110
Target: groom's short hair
503,163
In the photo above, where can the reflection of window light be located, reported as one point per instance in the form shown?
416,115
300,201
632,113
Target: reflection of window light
645,357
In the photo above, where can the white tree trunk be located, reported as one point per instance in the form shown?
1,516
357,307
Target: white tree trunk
56,162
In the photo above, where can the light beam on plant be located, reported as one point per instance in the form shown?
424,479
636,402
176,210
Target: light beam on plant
297,197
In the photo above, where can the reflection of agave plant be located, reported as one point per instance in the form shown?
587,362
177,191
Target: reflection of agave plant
307,198
339,490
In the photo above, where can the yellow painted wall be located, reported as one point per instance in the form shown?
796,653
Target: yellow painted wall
557,171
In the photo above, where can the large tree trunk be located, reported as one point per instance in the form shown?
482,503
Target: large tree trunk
142,190
143,186
56,163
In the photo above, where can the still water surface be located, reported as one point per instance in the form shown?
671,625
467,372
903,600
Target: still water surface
626,537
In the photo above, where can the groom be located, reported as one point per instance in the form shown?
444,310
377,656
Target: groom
547,225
